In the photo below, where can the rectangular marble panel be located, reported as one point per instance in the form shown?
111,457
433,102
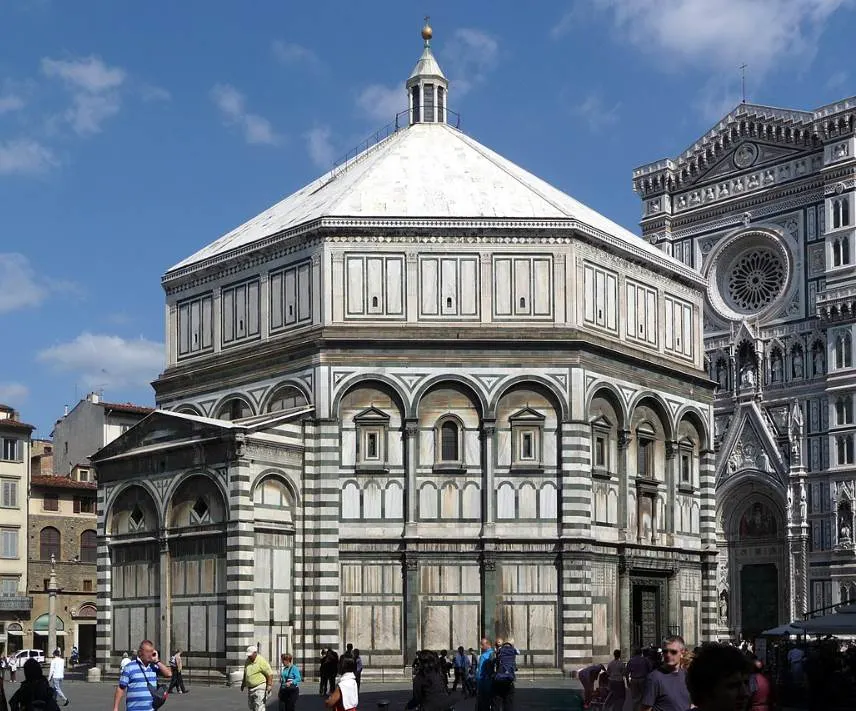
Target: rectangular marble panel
469,287
358,625
386,625
448,286
542,627
216,628
689,625
394,286
472,447
352,580
426,447
289,297
276,313
348,450
599,624
281,607
522,287
503,447
465,625
207,574
451,579
470,581
428,287
588,293
355,281
137,624
121,628
261,605
374,285
542,287
436,626
181,625
304,291
502,287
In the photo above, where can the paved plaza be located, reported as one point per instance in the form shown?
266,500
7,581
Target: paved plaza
537,695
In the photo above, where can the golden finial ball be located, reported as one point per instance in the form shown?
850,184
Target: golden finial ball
427,32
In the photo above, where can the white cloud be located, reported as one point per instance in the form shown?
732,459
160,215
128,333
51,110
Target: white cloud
382,103
13,393
233,108
25,157
10,102
107,361
470,55
150,92
724,34
22,287
94,87
320,147
89,74
293,53
596,113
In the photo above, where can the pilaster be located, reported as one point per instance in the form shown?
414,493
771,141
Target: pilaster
488,437
575,479
165,641
624,616
576,633
411,607
488,590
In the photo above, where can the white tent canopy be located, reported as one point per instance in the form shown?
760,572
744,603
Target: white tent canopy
788,630
842,621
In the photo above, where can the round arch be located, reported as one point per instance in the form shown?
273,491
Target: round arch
658,405
280,476
367,379
693,415
549,389
178,481
610,393
278,387
215,411
467,385
187,410
148,491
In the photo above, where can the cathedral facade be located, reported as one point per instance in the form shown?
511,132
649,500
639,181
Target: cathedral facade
426,397
762,206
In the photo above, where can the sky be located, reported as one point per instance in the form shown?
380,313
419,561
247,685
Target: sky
134,133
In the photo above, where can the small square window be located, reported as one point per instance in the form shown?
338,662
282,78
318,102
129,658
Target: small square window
87,586
51,502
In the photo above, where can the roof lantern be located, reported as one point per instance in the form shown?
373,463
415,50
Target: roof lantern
427,87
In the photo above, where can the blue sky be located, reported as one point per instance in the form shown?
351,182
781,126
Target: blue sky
132,134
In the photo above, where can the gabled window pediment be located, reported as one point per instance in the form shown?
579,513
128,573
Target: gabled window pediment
602,422
371,415
527,414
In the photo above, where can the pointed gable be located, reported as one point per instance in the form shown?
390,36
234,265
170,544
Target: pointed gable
526,415
751,444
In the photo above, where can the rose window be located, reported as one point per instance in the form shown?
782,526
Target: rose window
756,279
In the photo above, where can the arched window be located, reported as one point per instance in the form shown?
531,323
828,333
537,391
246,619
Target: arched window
287,397
234,409
49,543
88,547
840,213
450,442
844,449
841,251
844,410
843,350
645,451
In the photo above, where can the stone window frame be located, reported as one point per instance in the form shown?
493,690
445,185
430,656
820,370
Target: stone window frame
844,409
527,422
646,432
687,455
372,427
440,463
844,449
843,349
603,431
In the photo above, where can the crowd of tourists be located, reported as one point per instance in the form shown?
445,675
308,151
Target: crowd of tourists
37,691
819,674
712,677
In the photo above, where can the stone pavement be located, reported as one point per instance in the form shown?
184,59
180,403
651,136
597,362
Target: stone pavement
544,695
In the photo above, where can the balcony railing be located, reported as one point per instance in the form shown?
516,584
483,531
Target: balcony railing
16,602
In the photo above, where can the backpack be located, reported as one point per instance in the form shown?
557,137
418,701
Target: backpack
504,663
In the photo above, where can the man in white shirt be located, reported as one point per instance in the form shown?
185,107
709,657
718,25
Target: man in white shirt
126,660
56,675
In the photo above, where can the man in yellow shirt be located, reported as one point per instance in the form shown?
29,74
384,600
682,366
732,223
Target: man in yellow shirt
258,679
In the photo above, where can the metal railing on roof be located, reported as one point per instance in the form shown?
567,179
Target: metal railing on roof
363,148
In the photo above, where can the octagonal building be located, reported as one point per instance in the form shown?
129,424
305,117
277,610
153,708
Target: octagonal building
424,398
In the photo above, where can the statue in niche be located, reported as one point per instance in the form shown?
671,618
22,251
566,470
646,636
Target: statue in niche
747,377
803,504
776,367
646,518
757,522
796,430
797,366
789,506
818,361
723,607
763,461
845,520
722,374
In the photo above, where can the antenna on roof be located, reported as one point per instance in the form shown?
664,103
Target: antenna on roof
743,81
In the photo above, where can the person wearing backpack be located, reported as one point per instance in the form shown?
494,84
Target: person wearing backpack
505,671
34,692
484,676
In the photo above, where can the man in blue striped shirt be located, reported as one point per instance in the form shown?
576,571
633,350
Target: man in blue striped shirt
136,678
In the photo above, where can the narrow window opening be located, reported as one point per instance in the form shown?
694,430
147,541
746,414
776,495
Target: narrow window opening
371,445
600,452
449,442
448,302
686,468
374,302
414,93
522,302
526,446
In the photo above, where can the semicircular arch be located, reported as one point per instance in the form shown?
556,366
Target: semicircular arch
470,388
278,474
694,416
612,395
549,389
150,498
279,387
656,403
215,411
178,482
366,380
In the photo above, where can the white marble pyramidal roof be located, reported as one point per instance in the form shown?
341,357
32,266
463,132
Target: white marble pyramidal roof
425,175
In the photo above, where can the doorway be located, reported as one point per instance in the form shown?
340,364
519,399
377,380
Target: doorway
646,615
759,608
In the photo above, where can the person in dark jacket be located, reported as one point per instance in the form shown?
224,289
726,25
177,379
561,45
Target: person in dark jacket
429,686
34,688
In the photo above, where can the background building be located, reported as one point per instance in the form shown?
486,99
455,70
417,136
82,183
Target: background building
90,425
763,206
62,524
15,603
41,457
426,397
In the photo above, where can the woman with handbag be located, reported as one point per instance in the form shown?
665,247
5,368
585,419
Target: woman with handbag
289,683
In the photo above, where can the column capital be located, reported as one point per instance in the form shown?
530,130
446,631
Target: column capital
411,428
625,437
488,563
410,564
671,448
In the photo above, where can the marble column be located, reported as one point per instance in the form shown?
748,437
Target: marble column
624,612
411,448
411,609
488,584
623,444
488,433
164,644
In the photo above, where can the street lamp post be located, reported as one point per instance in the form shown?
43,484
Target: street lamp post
52,591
